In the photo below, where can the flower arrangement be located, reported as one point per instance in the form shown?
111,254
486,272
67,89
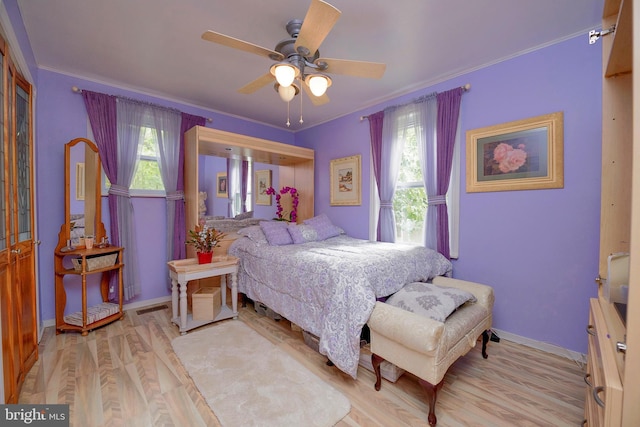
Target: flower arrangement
294,202
204,238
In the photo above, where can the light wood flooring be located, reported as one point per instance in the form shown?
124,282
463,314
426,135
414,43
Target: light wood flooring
126,374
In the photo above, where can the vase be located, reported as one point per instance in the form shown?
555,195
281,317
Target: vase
204,257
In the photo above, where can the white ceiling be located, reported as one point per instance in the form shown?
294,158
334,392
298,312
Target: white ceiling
155,46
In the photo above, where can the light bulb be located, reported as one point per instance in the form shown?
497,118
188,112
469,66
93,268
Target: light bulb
286,93
318,84
285,74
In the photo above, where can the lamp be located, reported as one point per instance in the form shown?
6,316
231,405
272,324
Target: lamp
284,73
318,83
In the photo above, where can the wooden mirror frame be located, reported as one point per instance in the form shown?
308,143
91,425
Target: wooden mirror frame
92,196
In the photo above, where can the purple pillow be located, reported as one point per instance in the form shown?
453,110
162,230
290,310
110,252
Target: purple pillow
276,232
302,233
323,226
255,233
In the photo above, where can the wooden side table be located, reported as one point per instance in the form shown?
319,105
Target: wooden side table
184,270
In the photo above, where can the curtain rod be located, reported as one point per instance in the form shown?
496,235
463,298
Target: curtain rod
76,89
464,88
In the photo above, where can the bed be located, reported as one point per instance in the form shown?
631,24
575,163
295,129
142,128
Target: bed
329,286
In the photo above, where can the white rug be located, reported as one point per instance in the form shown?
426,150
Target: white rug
248,381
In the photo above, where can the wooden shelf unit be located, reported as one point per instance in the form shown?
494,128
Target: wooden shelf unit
83,322
295,166
612,374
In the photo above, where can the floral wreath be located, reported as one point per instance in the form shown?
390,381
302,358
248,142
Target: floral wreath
294,196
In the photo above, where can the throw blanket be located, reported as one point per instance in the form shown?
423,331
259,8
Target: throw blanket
329,288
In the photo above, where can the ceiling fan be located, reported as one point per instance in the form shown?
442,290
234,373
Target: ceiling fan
298,59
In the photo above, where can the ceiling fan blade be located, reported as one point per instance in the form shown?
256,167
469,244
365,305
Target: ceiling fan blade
234,43
258,83
315,100
370,70
320,19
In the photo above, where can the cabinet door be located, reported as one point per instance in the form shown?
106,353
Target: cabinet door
22,259
17,265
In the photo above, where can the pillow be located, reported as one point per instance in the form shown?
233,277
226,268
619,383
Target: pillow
254,233
429,300
323,226
276,232
302,233
244,215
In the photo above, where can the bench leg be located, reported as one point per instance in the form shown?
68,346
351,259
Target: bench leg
376,361
432,395
485,340
430,389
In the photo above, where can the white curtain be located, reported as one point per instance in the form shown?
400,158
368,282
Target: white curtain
233,186
428,114
167,125
130,118
392,147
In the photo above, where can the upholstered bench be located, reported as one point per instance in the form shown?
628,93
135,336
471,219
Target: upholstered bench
423,346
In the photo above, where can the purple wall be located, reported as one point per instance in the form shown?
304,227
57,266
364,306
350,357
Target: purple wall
537,248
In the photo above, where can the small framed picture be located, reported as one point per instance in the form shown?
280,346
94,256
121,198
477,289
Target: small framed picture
221,184
263,181
521,155
346,188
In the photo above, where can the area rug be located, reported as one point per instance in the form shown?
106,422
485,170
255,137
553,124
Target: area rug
248,381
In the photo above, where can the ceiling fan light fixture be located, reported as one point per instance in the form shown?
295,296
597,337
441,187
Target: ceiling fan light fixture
285,73
318,83
287,93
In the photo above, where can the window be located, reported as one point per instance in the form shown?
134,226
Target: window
147,176
410,200
147,180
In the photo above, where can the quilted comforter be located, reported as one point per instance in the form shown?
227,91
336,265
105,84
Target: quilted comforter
329,288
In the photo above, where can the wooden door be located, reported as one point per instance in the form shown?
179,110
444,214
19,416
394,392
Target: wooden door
17,254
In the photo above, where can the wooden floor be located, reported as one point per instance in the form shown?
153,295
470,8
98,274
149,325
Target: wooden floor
126,374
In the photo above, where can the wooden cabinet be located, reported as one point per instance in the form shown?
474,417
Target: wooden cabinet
612,372
91,262
295,166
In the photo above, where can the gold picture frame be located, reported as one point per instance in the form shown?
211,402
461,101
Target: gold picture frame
263,181
346,185
222,185
520,155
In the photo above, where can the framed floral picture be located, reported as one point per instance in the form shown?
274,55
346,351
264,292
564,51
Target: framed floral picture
221,184
263,182
520,155
346,188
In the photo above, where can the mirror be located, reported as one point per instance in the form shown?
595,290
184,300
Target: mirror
82,192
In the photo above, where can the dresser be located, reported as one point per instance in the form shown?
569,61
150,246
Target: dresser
612,396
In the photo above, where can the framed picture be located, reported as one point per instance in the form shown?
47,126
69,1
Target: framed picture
221,184
520,155
346,188
263,181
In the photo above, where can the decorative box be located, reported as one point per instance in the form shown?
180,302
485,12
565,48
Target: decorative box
206,303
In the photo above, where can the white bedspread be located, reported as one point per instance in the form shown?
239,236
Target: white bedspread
329,288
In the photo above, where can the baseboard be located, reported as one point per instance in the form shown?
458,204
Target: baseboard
125,307
543,346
